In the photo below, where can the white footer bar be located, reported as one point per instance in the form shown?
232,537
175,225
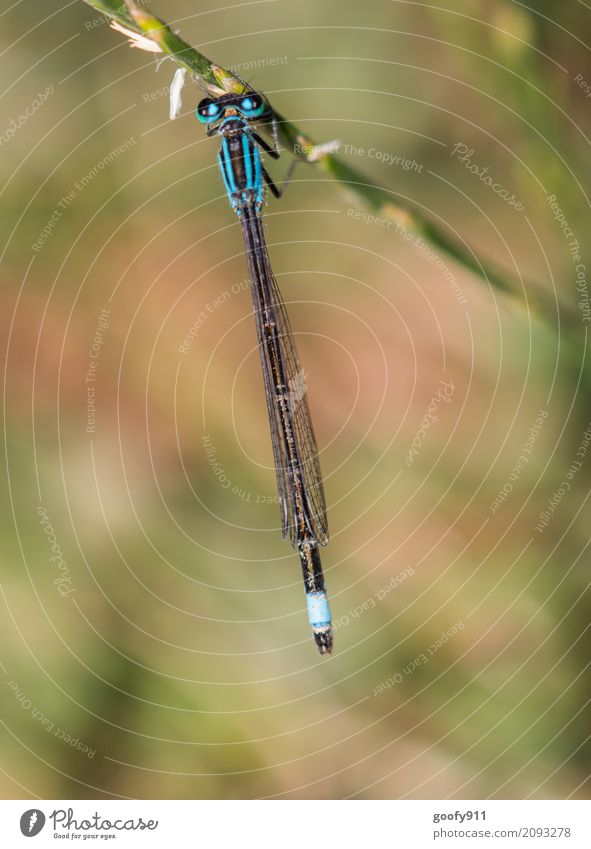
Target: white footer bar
297,824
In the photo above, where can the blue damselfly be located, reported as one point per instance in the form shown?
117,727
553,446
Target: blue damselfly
299,481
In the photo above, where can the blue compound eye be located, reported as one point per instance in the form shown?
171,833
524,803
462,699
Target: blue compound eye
208,111
252,106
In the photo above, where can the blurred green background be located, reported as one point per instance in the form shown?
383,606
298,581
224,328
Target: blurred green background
164,650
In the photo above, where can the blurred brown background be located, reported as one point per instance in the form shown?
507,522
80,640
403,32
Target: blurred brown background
164,650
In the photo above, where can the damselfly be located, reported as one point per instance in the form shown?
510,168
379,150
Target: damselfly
303,509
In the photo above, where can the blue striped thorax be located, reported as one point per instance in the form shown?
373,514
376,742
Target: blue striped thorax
240,164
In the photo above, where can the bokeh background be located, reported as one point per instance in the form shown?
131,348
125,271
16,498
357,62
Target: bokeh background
164,651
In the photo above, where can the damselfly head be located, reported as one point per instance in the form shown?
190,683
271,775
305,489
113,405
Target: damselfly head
249,106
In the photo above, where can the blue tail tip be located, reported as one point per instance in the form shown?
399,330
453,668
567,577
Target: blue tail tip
319,618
